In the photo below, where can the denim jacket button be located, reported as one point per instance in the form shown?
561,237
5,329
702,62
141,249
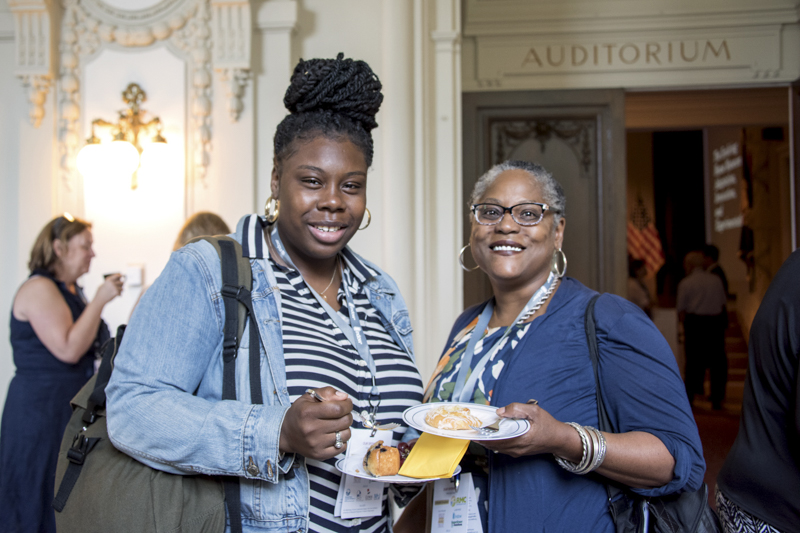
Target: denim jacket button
252,467
270,472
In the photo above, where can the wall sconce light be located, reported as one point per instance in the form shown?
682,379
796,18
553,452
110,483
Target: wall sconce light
124,153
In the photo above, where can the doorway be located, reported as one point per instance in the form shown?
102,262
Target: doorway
579,137
713,167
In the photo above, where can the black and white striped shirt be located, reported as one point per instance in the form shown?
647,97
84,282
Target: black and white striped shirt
318,354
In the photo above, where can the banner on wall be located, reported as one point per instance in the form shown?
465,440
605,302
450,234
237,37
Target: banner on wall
728,199
643,240
725,151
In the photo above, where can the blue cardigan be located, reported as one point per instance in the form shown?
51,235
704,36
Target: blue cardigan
642,391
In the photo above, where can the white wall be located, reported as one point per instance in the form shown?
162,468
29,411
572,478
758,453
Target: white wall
131,227
414,183
12,113
324,32
135,227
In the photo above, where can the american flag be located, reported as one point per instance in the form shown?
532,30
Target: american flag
643,240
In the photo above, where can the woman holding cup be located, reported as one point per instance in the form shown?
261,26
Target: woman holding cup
55,334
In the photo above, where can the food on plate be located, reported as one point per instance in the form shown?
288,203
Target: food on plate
404,448
449,416
382,460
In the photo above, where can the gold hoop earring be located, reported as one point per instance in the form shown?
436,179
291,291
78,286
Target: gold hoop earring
461,260
369,219
559,264
272,209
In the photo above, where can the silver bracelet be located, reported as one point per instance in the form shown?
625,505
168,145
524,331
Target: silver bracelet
595,447
600,455
588,455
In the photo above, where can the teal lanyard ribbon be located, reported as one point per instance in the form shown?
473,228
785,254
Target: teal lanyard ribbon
465,387
353,331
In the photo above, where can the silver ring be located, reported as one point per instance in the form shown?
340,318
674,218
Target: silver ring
338,443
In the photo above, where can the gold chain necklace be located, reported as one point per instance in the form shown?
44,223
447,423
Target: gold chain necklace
335,268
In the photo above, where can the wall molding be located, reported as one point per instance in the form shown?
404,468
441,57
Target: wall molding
615,43
439,293
189,26
579,134
523,17
33,30
232,44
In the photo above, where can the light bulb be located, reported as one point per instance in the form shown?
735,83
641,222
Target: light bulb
90,159
123,158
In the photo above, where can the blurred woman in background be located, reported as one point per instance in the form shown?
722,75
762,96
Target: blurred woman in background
198,225
55,333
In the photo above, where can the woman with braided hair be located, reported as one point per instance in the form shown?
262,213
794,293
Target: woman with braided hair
333,331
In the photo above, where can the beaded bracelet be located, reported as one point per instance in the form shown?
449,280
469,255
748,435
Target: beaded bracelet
588,455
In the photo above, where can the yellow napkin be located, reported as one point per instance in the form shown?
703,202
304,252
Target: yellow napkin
434,456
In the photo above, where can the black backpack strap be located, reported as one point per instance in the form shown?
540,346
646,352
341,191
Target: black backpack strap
237,298
231,339
256,396
230,343
237,283
243,273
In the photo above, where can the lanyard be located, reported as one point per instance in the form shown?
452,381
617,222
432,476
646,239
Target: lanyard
353,330
465,388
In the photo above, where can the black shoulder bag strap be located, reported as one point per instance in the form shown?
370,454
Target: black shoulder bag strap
236,289
82,445
616,503
236,293
594,353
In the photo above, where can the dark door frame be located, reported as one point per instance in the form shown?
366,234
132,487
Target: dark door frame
608,106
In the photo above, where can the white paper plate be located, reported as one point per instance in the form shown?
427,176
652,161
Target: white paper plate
356,468
509,428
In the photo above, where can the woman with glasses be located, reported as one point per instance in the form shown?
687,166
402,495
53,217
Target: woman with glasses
55,333
525,351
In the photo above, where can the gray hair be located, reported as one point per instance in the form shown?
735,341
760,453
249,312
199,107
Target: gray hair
552,191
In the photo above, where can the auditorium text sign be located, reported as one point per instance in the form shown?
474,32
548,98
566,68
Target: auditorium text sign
552,56
628,60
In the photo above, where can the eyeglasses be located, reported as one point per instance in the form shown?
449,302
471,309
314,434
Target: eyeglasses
528,214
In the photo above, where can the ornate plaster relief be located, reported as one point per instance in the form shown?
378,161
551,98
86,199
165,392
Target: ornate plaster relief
578,134
210,33
32,31
231,33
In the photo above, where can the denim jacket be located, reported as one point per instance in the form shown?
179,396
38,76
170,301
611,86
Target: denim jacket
164,398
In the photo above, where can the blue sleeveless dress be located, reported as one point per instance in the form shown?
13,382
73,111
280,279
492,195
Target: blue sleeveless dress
35,415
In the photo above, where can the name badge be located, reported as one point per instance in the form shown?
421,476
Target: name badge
455,510
359,497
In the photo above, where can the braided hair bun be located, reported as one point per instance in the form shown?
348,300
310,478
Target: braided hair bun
331,97
340,85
